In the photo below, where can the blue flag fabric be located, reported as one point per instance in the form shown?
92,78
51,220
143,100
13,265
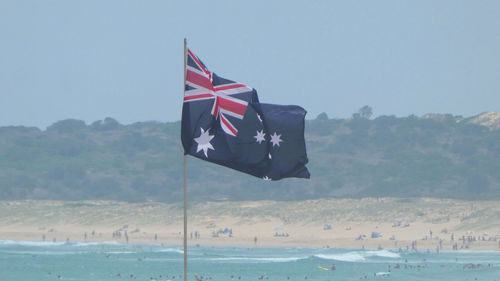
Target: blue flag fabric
223,122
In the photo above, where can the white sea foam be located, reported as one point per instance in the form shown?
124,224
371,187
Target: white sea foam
30,243
85,244
51,244
350,257
382,253
259,259
46,253
356,256
171,250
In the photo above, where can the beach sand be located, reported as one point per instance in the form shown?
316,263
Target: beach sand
297,223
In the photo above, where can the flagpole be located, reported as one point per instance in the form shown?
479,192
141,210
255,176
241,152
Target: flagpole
185,180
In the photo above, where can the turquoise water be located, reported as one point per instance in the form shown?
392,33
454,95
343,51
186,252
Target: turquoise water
23,260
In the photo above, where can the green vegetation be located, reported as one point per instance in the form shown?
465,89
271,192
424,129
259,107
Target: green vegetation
438,156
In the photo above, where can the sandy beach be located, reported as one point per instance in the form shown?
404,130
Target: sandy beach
339,223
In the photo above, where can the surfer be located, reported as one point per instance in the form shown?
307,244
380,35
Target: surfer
333,266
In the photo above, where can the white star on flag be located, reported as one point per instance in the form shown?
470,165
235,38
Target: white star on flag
276,139
204,141
260,136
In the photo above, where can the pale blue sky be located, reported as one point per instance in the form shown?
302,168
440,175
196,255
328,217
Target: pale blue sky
92,59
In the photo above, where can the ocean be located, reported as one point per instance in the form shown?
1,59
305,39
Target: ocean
25,260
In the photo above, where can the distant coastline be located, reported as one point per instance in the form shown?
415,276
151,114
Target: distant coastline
434,155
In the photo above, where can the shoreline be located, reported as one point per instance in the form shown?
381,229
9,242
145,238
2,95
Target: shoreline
236,224
308,240
222,246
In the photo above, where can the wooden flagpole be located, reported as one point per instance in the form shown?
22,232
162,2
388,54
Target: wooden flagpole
185,180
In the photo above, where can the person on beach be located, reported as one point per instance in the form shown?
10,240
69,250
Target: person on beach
255,240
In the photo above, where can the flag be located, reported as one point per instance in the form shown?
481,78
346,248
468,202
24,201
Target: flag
223,122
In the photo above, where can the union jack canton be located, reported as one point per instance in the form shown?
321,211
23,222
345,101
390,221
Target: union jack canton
229,98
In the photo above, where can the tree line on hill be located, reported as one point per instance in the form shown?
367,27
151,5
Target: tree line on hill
432,156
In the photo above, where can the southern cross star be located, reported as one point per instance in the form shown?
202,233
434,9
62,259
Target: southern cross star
260,136
204,141
276,139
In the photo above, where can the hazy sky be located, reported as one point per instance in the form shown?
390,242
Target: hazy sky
124,59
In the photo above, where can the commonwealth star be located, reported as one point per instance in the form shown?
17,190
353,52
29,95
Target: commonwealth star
204,141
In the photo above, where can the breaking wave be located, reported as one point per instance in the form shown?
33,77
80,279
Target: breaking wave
357,256
84,244
170,250
30,243
259,259
51,244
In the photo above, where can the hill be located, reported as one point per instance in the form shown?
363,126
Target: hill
442,156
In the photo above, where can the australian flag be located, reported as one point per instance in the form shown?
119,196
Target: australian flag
223,122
